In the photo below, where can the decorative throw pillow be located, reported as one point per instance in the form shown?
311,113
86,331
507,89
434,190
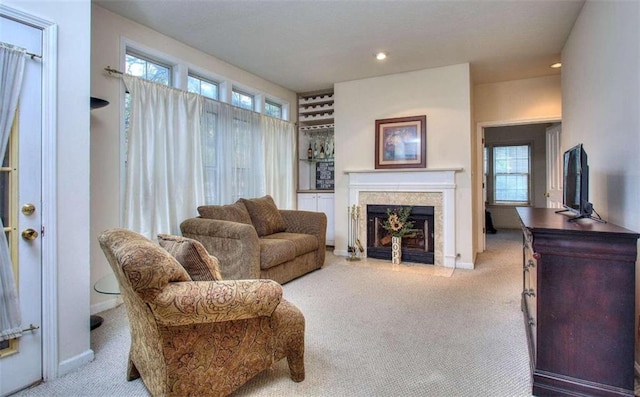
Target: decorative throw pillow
192,256
236,212
264,215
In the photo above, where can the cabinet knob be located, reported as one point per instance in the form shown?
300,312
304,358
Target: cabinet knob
532,322
529,292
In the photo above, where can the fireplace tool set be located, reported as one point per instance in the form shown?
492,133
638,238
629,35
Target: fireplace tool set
355,247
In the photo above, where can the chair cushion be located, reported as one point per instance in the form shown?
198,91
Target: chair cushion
265,216
192,256
235,212
274,252
303,243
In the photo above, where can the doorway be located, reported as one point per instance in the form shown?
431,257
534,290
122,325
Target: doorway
534,136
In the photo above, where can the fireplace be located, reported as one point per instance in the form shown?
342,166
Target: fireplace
418,187
417,245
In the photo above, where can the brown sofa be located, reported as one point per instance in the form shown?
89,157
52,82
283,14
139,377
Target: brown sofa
253,239
193,335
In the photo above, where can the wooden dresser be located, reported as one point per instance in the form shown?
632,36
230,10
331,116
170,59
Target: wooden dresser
578,301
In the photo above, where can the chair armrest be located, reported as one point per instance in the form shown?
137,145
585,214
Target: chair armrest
306,222
236,245
196,302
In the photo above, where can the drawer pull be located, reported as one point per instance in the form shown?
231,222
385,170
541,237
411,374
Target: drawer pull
529,292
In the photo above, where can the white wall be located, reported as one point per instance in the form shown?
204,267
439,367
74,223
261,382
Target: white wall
443,95
74,32
518,100
109,32
601,101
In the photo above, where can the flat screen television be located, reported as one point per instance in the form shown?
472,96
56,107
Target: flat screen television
576,182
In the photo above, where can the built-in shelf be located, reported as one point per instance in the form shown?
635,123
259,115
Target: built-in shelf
315,141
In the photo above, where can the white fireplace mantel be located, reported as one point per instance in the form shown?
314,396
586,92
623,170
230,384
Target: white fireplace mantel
418,180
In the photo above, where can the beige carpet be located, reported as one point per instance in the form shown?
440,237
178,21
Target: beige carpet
373,330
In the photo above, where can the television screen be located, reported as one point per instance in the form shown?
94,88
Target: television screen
576,180
572,173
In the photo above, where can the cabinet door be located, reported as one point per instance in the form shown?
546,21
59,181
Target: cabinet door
307,202
325,204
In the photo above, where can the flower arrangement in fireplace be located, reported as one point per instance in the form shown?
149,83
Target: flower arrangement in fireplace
397,223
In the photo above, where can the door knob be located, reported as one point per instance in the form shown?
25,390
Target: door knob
28,209
29,234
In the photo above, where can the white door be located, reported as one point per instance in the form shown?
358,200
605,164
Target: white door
554,167
20,185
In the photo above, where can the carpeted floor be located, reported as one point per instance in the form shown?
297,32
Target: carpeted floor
373,330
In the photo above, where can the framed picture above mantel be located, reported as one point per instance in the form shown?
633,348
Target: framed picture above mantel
401,142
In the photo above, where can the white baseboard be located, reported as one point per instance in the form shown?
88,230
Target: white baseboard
106,305
74,363
464,265
344,253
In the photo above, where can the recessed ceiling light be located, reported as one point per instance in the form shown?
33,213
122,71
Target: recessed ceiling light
380,56
557,65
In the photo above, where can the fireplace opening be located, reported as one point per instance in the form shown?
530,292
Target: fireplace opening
417,245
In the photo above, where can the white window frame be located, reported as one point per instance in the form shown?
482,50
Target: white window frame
491,175
241,91
271,102
206,80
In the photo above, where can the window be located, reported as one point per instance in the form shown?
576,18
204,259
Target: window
202,86
273,109
138,65
511,173
242,99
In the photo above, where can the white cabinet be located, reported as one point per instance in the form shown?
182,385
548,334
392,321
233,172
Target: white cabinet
320,202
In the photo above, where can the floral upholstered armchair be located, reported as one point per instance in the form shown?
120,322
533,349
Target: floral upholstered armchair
193,335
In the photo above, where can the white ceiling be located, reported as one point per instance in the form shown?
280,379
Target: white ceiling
310,45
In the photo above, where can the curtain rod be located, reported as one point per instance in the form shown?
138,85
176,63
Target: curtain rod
32,55
112,70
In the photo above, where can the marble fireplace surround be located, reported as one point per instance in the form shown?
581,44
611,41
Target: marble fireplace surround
428,187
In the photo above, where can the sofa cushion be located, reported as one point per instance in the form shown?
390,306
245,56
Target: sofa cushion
235,212
265,216
274,252
303,243
192,256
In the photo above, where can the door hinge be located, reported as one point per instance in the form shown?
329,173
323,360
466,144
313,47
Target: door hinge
42,231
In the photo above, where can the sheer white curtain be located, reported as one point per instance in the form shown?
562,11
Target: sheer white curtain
12,61
233,152
280,157
165,182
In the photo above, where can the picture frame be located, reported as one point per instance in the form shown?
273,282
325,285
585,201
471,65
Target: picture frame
401,142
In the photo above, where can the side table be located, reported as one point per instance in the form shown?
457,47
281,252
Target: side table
107,285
